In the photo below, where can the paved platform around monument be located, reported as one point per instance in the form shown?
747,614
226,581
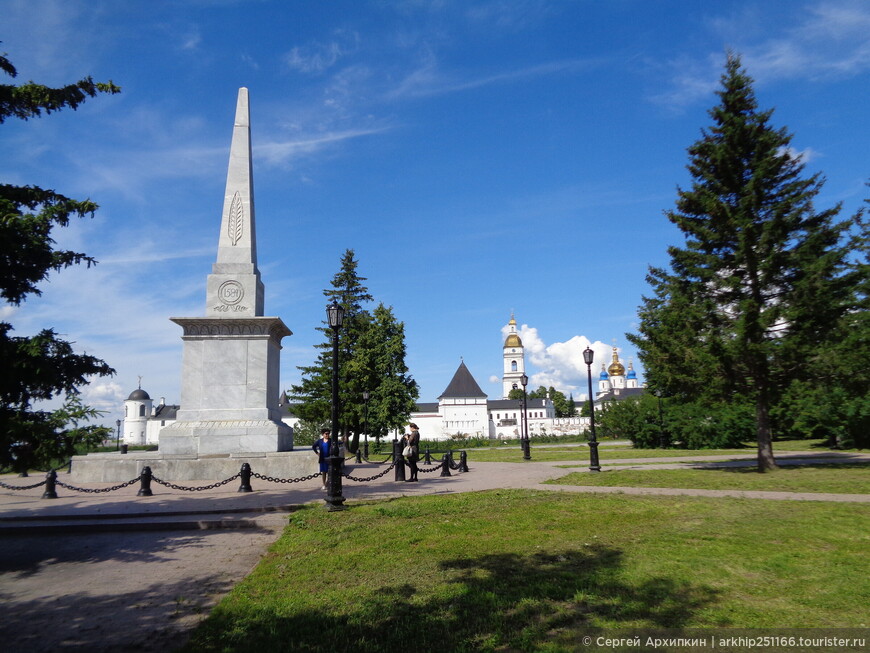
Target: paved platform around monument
127,573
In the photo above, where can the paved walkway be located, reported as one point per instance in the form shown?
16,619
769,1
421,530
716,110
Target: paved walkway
137,573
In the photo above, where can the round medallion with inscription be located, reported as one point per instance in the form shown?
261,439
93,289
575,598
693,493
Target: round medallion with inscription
231,292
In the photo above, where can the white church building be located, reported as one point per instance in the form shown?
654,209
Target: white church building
463,409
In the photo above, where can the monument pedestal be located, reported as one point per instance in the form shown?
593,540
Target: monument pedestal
229,388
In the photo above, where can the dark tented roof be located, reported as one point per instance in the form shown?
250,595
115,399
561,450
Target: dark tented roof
165,411
462,385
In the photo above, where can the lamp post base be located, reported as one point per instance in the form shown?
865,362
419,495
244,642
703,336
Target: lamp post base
334,499
594,466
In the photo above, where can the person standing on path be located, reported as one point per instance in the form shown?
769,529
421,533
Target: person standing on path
321,448
412,440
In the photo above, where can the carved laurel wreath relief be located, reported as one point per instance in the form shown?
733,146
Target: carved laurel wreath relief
236,220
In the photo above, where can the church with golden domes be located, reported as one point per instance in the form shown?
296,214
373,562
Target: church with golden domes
464,409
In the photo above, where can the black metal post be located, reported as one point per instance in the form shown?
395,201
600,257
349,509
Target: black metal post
399,460
334,497
245,475
445,465
366,424
427,456
50,489
593,442
463,461
118,424
527,454
145,483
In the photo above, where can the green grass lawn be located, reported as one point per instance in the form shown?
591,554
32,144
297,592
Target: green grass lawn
609,451
533,571
847,478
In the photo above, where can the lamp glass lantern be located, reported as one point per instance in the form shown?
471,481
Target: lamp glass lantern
335,315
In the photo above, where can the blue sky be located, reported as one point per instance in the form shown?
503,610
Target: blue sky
479,157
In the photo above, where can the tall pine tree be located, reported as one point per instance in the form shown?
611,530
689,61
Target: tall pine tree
761,273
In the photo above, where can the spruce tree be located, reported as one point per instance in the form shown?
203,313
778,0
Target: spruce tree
314,392
761,272
43,366
371,351
379,367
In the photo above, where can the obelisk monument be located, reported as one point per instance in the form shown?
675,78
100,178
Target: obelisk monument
231,358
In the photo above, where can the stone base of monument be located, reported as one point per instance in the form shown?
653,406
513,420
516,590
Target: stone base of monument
115,467
205,438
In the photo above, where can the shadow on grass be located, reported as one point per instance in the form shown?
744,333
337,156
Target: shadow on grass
490,602
784,467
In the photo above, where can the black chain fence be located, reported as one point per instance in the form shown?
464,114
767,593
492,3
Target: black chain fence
99,490
51,481
20,487
201,488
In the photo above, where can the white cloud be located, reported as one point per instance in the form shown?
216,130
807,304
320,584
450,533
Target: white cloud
427,81
105,396
315,58
828,39
802,156
283,152
561,364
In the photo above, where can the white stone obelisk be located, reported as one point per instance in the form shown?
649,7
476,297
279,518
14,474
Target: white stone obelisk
231,359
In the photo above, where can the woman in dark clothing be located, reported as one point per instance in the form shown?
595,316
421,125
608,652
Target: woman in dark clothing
321,448
412,440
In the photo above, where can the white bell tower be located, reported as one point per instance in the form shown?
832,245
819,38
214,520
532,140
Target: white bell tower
137,410
514,360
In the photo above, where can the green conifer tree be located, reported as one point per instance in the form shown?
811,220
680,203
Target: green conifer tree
43,366
371,351
761,272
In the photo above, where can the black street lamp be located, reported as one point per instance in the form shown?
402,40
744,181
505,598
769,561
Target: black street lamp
335,317
588,354
366,424
118,426
527,455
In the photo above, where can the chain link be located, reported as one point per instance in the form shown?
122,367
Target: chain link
173,486
20,487
432,469
370,478
98,490
375,462
195,489
272,479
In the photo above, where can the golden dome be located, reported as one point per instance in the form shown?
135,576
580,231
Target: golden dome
616,368
513,340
